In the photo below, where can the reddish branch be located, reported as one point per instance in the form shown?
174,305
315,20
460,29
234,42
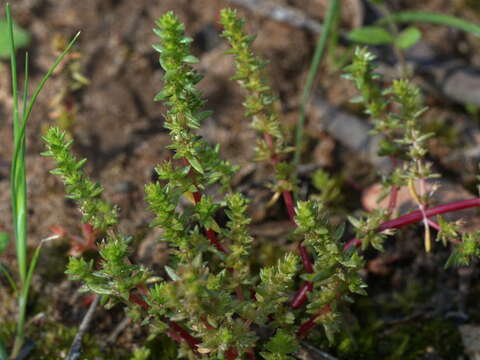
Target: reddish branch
416,216
397,223
232,353
301,296
311,323
392,202
211,235
288,201
175,331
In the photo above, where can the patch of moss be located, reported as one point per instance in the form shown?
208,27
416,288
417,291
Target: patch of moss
408,341
53,341
386,330
162,348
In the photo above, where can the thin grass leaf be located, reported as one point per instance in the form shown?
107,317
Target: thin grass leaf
18,182
433,18
9,278
332,11
371,35
49,74
3,352
37,92
22,300
15,172
4,240
31,267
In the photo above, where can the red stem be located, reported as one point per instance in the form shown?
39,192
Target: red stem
176,331
392,203
399,222
301,296
393,199
433,224
197,196
269,140
288,200
231,354
307,263
350,243
211,235
310,324
189,339
416,216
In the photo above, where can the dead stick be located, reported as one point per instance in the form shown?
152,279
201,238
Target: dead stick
76,348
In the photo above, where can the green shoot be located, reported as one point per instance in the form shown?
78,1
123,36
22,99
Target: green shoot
433,18
18,183
332,13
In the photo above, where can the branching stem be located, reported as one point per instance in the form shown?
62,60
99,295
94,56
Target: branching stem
413,217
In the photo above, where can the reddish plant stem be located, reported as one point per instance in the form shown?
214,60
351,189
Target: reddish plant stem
416,216
307,263
197,196
231,354
307,286
352,242
399,222
301,296
176,331
288,201
211,235
189,339
310,324
269,140
433,224
392,202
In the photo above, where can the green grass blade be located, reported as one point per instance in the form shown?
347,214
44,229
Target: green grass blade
9,278
18,182
23,298
19,196
28,109
49,74
3,352
332,11
31,268
17,158
16,169
25,89
17,163
433,18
